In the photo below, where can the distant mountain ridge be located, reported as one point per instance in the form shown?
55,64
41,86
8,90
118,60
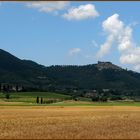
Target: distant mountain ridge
34,76
15,70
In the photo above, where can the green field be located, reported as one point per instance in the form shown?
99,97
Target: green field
29,99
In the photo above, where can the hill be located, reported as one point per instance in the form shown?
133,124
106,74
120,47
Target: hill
66,79
16,71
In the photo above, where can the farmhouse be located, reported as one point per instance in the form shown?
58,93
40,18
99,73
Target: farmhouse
9,87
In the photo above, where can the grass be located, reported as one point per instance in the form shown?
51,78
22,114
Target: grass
100,122
30,97
22,118
72,103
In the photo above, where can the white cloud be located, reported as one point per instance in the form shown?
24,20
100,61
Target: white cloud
82,12
125,39
104,49
131,56
113,25
137,67
48,7
74,51
121,34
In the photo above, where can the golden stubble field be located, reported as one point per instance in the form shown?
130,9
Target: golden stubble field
69,122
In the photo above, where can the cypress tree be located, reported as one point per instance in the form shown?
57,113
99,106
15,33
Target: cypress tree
41,100
37,100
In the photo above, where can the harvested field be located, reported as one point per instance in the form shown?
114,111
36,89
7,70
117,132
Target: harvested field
36,122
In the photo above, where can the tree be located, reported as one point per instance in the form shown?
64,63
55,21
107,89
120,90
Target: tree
37,100
41,100
7,96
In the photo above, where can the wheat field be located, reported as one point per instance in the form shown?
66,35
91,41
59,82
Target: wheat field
22,122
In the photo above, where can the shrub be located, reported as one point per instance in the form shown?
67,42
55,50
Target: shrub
95,98
116,98
7,96
103,99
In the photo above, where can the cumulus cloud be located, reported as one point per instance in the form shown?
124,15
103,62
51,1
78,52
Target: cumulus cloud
74,51
104,49
82,12
130,58
121,34
113,27
48,7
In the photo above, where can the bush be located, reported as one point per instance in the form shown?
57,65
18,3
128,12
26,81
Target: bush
49,101
95,98
116,98
7,96
76,99
99,98
103,99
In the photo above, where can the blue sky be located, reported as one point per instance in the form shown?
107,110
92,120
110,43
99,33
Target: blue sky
74,33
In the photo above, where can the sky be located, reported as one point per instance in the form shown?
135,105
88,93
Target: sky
72,33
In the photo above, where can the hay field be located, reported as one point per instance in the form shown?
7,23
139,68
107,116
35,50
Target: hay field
38,122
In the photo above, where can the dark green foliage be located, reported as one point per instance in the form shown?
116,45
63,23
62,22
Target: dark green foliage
66,79
76,99
116,97
89,77
50,101
103,99
16,71
37,100
95,98
7,95
41,100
